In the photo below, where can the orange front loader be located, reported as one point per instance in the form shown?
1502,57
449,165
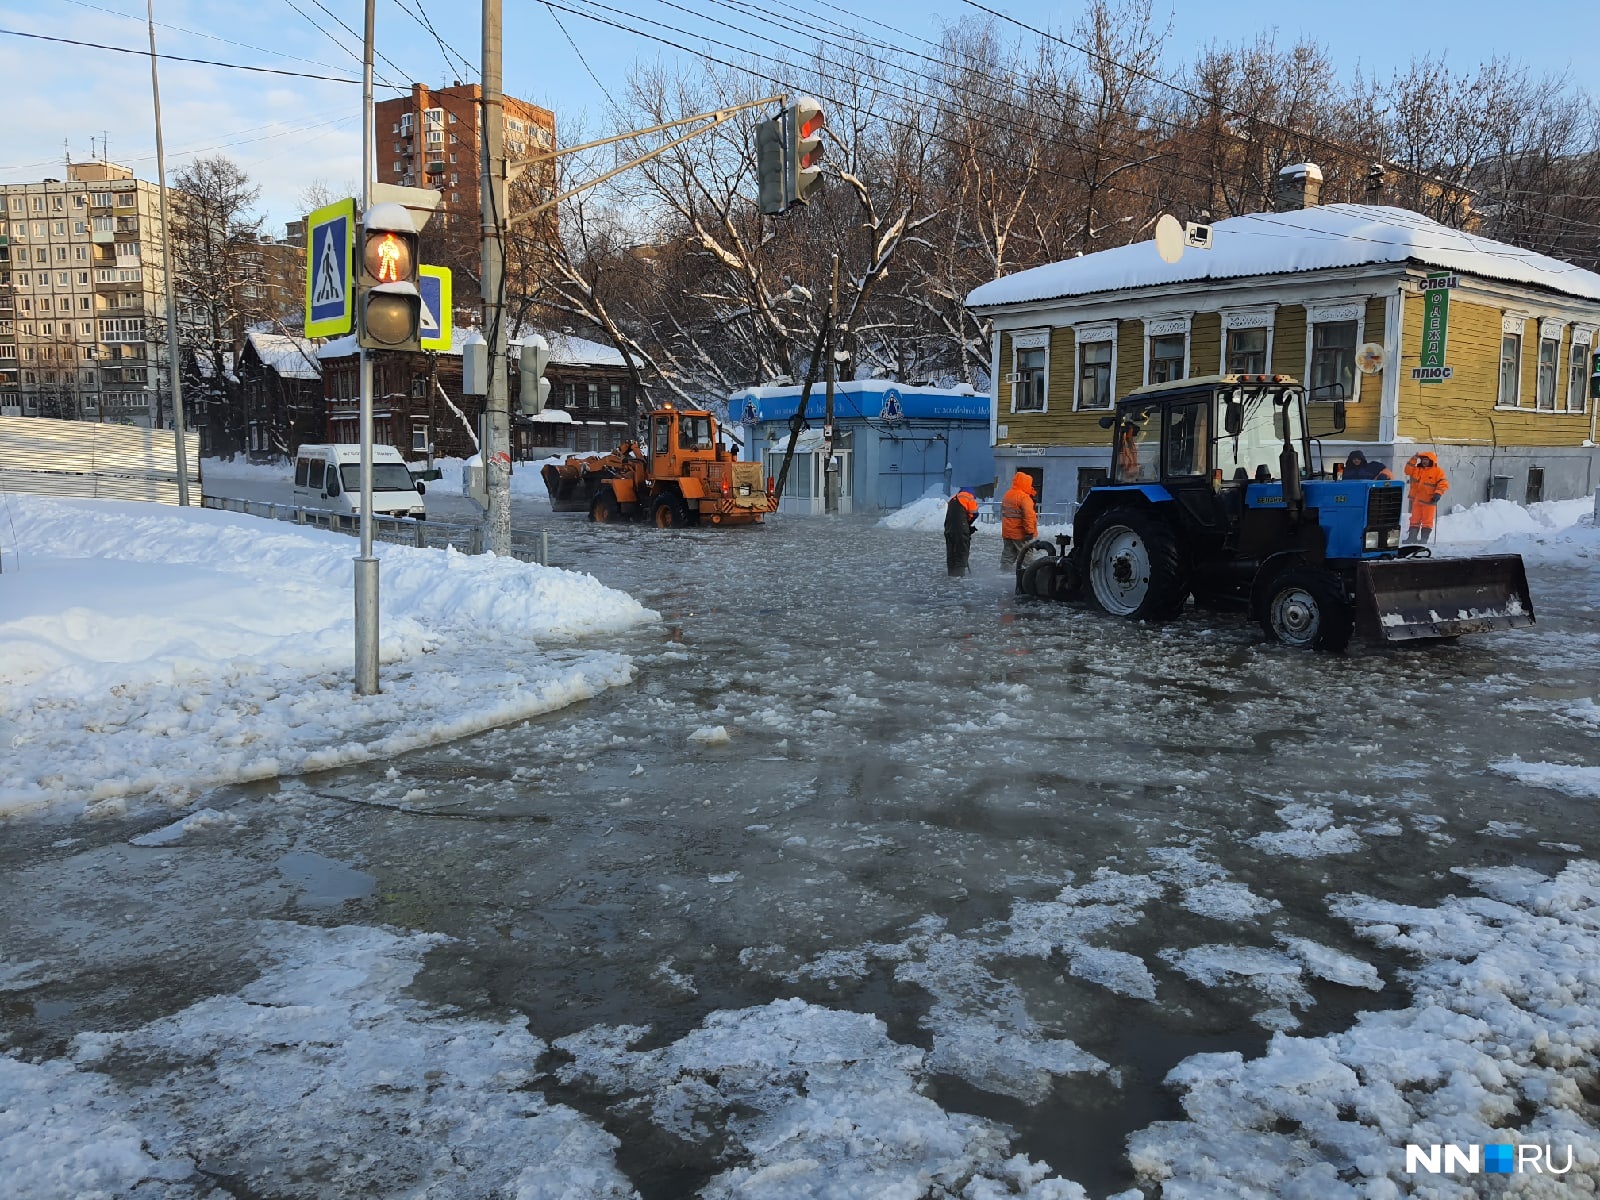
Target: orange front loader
682,475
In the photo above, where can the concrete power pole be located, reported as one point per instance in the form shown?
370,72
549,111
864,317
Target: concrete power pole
830,466
175,374
366,564
497,402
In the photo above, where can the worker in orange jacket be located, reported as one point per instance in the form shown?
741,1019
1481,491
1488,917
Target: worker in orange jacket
960,518
1428,486
1019,519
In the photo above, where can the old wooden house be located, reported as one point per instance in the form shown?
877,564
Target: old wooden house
1477,350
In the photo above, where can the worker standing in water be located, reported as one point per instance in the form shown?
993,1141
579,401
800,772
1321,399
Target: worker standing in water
1428,486
1019,519
960,518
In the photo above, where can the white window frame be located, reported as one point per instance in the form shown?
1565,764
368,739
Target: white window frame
1510,326
1334,312
1083,335
1030,339
1582,335
1263,316
1168,326
1549,331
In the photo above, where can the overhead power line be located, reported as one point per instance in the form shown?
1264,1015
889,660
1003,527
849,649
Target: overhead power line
200,33
205,62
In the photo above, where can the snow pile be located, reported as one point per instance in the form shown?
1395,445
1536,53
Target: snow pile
149,649
1564,527
1498,1046
327,1027
927,516
526,482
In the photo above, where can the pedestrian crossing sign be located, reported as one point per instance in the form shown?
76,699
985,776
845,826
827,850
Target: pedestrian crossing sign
330,270
434,284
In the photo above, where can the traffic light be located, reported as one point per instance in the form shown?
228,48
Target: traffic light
388,302
533,387
803,129
770,167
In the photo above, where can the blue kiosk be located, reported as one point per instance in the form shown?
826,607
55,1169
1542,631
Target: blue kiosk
895,442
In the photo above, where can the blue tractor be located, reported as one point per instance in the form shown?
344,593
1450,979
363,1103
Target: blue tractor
1212,493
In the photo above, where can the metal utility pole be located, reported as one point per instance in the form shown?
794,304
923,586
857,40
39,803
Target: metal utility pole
166,270
497,402
366,565
830,465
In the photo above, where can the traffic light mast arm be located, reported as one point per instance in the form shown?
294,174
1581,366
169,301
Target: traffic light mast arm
720,114
712,119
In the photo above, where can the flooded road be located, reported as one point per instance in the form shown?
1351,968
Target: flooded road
1057,852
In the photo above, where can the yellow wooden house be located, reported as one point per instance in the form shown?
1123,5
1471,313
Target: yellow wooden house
1476,350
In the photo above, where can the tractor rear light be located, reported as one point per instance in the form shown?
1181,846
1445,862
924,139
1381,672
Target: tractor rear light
724,487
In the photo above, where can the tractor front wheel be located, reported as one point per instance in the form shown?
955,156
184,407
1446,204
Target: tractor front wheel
1306,608
1135,570
604,509
669,512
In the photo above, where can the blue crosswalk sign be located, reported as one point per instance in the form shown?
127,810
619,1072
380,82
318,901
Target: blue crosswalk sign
330,270
434,284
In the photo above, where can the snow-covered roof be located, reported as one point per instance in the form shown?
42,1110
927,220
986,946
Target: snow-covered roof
572,351
291,357
565,349
552,416
1322,237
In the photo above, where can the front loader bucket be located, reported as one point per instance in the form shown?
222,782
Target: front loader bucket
1400,599
569,491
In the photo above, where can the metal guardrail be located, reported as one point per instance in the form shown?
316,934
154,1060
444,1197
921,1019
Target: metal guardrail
527,545
989,514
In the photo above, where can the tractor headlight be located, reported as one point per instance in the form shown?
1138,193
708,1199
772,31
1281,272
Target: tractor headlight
1373,539
1392,539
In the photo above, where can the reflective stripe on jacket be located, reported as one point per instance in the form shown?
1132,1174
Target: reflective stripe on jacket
1018,516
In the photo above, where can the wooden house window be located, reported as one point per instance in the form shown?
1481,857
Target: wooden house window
1028,382
1167,354
1578,372
1333,360
1510,369
1247,352
1097,365
1545,386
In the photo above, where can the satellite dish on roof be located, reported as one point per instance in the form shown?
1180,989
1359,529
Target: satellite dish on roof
1370,358
1169,238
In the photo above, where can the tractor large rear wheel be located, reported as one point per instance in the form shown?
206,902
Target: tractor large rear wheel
1135,570
1306,608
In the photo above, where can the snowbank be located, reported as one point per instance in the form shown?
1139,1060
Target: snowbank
927,516
147,649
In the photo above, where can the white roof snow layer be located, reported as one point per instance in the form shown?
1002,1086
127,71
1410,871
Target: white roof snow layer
1311,239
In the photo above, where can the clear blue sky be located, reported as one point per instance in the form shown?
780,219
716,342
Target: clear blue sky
290,131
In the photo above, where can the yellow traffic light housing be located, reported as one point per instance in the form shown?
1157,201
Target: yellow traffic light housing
388,302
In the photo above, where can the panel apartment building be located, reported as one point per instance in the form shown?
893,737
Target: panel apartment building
429,139
81,297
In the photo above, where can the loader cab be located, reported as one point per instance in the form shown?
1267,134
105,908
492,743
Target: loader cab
676,436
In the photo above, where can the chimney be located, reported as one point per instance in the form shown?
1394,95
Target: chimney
1299,186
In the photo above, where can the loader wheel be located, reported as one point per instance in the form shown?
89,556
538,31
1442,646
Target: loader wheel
1135,570
1305,608
669,512
604,509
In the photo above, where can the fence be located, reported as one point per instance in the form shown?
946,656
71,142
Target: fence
989,514
103,462
526,545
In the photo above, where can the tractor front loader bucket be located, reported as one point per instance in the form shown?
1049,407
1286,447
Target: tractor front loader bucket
1401,599
567,487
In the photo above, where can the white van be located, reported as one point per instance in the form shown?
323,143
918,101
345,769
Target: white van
329,478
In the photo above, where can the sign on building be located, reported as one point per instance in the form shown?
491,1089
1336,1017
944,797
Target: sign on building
1435,328
434,284
330,270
